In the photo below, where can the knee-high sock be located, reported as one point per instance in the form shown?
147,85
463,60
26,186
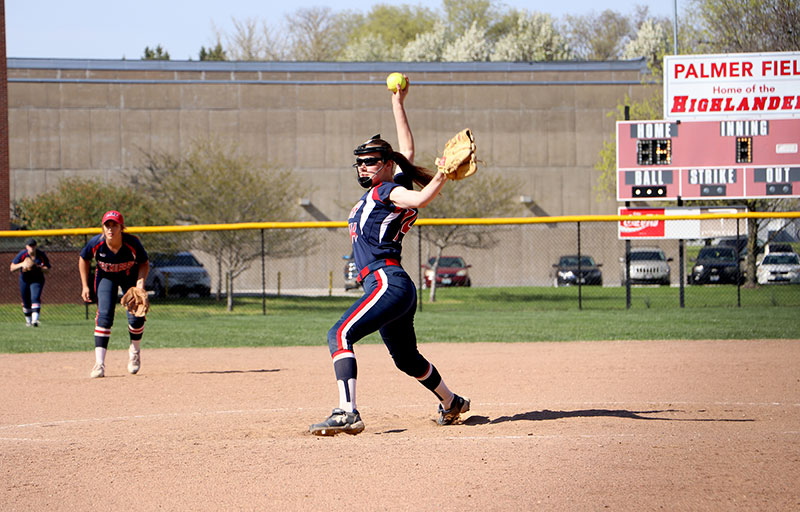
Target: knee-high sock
346,369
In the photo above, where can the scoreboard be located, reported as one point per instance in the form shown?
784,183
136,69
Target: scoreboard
727,159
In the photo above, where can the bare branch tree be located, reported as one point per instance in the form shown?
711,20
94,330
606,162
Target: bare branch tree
251,40
481,195
315,34
214,184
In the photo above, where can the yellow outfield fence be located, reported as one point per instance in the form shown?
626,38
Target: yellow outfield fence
420,222
226,265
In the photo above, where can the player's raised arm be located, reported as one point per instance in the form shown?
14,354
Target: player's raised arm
405,138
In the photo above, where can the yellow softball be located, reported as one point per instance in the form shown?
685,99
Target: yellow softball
396,80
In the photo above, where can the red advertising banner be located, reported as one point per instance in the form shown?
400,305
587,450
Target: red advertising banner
641,228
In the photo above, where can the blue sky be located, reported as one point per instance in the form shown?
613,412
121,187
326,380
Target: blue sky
113,29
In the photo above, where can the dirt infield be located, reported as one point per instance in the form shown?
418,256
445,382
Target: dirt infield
675,425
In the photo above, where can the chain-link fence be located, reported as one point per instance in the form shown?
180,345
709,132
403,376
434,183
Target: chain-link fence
580,264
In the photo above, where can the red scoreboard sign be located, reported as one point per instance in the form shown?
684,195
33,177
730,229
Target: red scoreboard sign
708,159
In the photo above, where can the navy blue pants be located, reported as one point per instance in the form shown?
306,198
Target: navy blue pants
31,294
107,291
388,306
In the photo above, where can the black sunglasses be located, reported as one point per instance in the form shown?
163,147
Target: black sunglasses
369,161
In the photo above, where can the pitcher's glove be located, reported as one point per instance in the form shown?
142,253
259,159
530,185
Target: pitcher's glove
458,160
135,300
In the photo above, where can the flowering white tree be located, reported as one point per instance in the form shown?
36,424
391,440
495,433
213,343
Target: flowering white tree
535,39
371,48
427,46
650,42
470,47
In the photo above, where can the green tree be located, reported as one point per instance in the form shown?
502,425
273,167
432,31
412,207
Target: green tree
732,26
649,108
481,195
157,53
80,203
215,53
213,183
461,15
383,32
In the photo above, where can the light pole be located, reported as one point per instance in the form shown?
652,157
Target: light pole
675,27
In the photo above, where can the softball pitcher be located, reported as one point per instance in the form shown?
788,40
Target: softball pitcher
121,263
377,225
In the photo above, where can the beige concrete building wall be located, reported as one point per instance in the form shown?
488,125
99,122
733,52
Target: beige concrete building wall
543,123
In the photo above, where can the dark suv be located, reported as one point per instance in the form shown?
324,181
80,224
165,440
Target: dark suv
716,264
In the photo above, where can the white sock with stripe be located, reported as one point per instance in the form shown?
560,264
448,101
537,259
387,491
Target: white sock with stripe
100,355
347,395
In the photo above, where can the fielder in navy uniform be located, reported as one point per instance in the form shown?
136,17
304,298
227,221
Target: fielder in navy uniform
121,263
32,263
377,225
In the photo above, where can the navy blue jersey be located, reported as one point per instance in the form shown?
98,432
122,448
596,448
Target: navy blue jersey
35,274
377,226
122,266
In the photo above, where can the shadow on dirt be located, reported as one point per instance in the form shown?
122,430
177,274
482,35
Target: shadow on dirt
589,413
222,372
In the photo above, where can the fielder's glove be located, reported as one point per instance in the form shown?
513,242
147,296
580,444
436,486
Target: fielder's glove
458,160
28,264
135,300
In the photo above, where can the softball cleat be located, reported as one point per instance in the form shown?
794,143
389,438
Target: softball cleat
451,415
339,421
98,371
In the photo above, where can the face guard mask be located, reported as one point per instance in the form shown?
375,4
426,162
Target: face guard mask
374,145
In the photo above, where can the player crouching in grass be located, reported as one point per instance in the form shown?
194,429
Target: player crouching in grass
378,222
121,263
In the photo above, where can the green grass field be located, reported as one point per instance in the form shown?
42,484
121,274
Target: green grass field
458,315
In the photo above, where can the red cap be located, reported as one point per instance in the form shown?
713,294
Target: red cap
113,215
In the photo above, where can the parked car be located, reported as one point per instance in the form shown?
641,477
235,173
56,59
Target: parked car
732,241
177,274
779,267
717,264
350,272
567,273
773,247
649,265
452,271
